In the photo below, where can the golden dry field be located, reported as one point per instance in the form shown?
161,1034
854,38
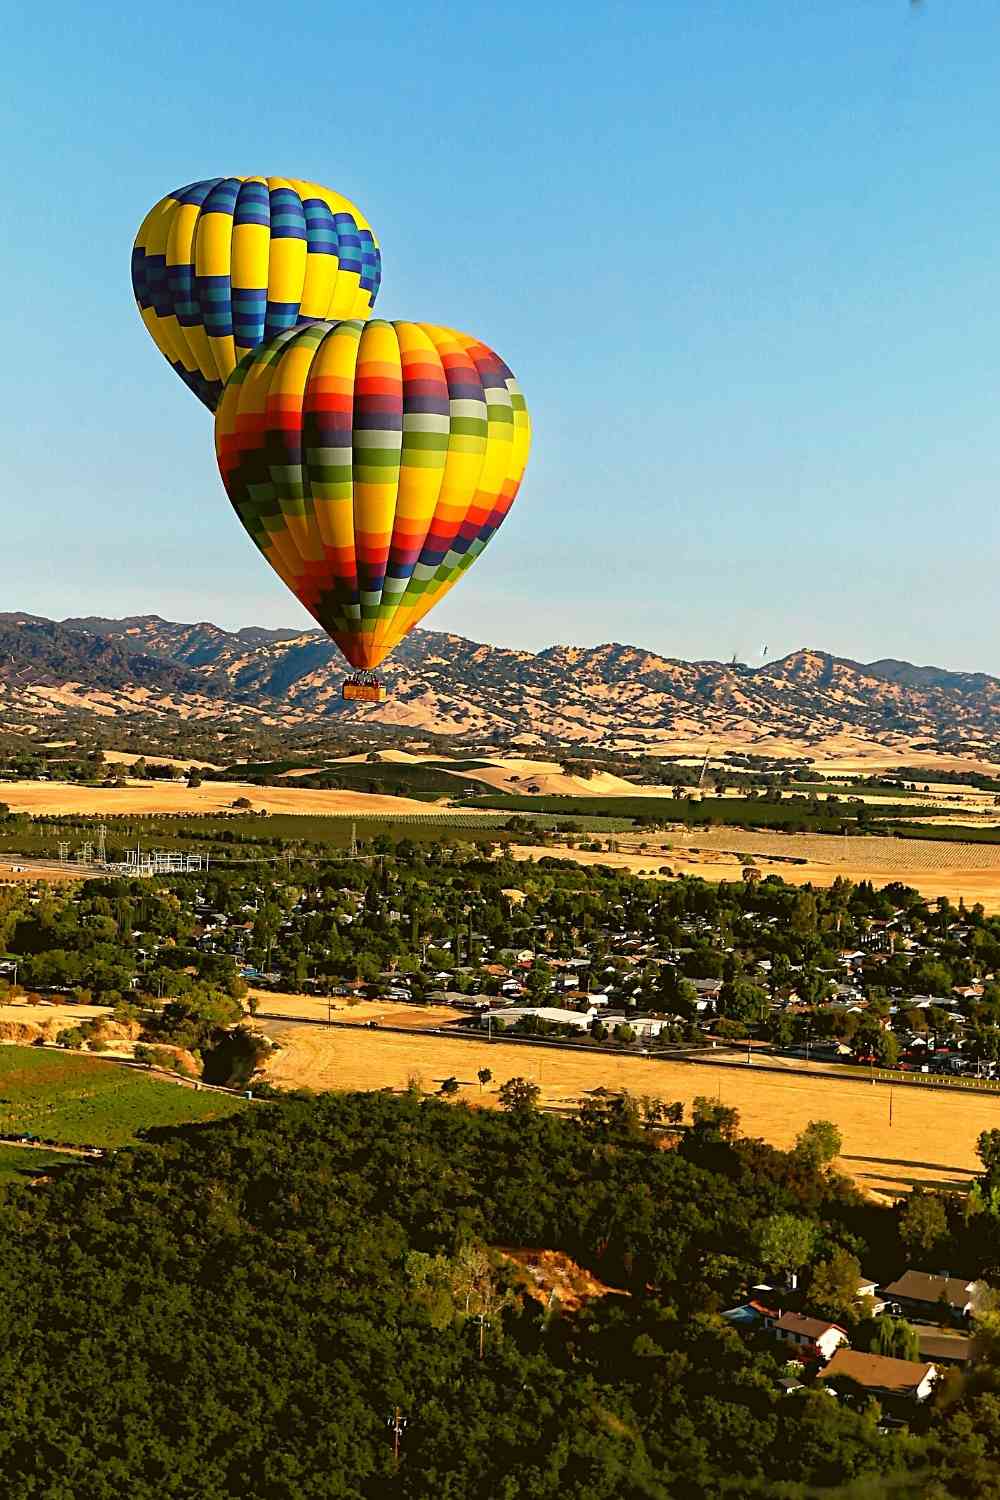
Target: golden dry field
931,1140
41,797
24,872
935,868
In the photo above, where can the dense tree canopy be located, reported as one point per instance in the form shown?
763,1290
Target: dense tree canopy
242,1309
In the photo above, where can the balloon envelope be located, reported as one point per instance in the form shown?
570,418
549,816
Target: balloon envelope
371,463
222,265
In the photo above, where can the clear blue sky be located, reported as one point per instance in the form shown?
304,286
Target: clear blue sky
744,258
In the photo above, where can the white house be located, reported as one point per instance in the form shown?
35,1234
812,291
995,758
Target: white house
812,1337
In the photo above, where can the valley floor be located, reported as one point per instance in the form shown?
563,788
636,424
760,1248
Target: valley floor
930,1142
934,868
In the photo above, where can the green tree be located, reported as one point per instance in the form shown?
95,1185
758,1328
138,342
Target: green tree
818,1143
713,1121
923,1223
519,1095
742,1000
786,1242
485,1076
988,1151
895,1338
833,1287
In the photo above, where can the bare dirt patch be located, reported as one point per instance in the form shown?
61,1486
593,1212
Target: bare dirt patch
386,1012
550,1277
60,1013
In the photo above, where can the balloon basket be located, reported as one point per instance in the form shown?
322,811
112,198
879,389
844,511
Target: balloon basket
364,687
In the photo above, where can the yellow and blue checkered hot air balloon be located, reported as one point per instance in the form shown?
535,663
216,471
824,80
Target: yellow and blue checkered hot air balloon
222,265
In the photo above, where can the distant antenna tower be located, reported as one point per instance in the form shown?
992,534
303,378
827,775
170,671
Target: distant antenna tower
704,768
354,840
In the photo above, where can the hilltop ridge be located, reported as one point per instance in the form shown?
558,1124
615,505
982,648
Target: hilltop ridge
613,694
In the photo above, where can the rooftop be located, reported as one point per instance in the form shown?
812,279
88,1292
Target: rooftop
922,1286
877,1372
809,1328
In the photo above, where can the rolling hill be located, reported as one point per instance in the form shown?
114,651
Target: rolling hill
609,696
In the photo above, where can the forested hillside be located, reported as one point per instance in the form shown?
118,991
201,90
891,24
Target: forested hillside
260,1306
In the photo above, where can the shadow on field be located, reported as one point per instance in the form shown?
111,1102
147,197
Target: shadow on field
896,1182
909,1161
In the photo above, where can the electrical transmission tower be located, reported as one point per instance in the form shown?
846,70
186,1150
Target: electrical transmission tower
64,851
102,844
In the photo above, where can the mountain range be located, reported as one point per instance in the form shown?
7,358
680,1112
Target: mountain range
612,696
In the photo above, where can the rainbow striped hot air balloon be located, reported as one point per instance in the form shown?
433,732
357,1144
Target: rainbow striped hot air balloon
371,463
222,265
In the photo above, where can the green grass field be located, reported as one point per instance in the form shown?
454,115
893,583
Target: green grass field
19,1165
77,1100
427,780
242,837
738,812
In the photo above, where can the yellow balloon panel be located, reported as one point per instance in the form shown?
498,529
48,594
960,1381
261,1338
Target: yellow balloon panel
223,265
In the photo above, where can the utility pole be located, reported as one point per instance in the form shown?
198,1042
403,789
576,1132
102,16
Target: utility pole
396,1423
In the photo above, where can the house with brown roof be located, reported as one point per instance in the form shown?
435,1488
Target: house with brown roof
879,1375
926,1295
944,1348
813,1338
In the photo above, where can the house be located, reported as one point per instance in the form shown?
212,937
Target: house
879,1375
943,1348
926,1295
868,1287
642,1025
812,1337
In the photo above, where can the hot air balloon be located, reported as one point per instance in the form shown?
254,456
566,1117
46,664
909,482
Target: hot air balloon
221,265
371,463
